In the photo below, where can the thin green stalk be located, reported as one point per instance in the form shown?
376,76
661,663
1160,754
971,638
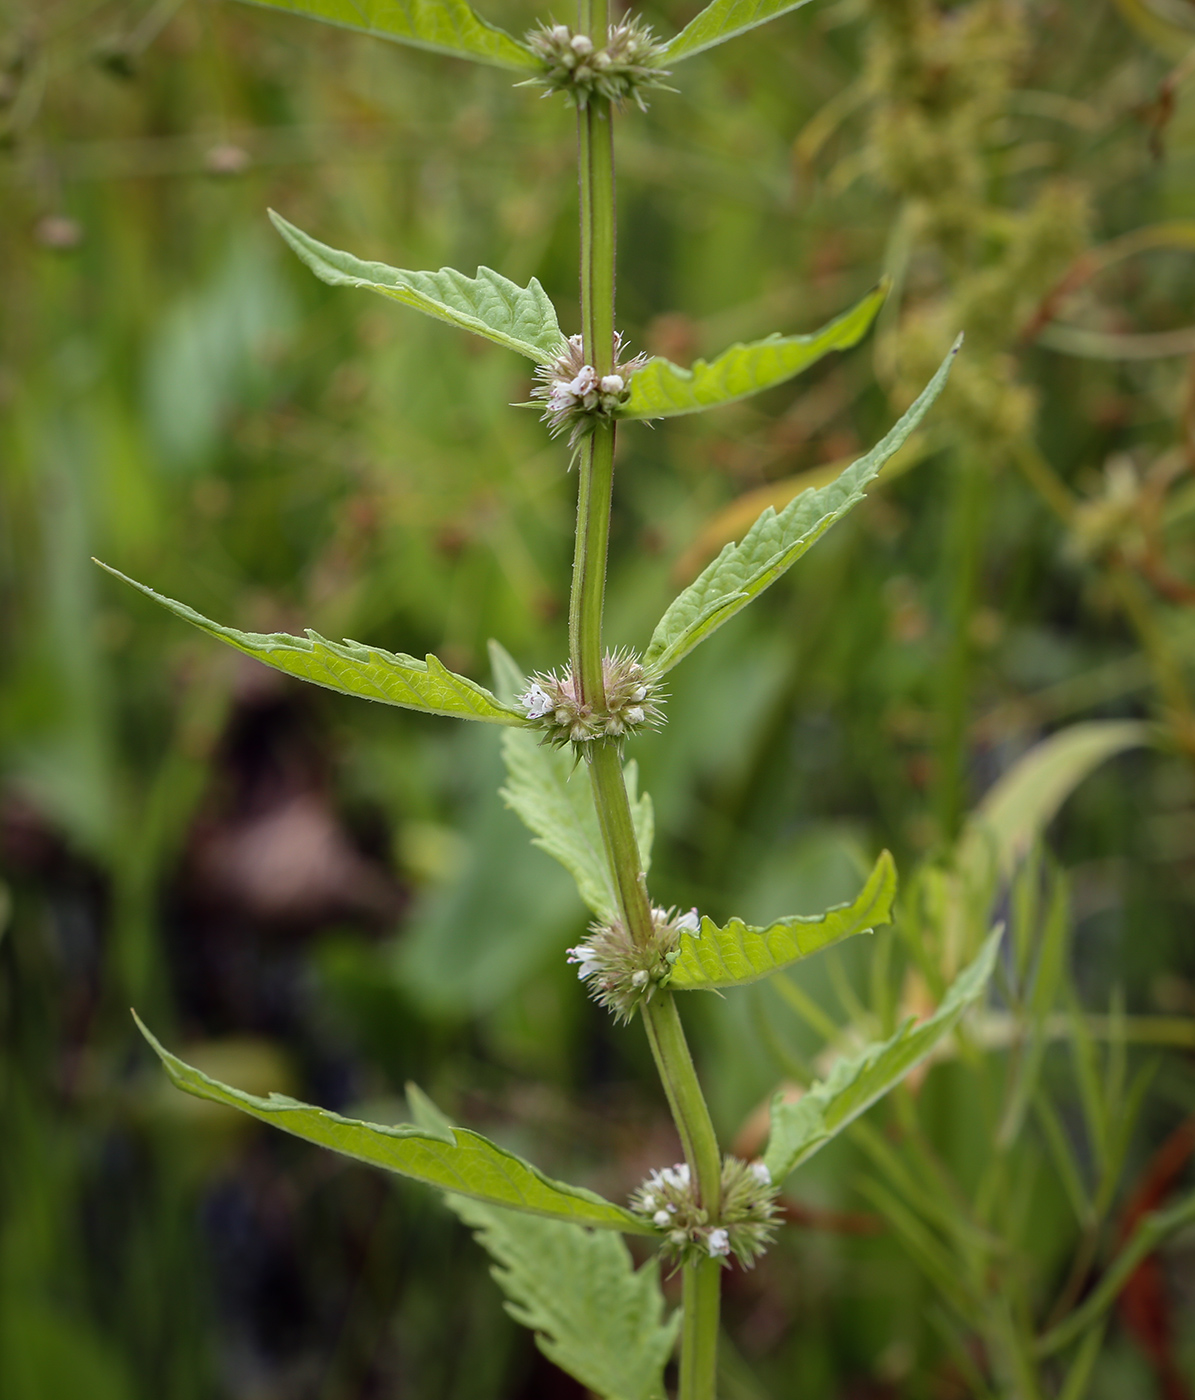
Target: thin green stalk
700,1298
702,1281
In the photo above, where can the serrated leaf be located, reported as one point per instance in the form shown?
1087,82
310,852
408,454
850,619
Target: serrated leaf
773,544
593,1314
352,668
723,20
454,1159
663,390
803,1127
444,26
552,797
489,305
739,953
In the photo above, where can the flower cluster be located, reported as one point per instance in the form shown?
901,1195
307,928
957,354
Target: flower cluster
632,701
623,69
747,1218
577,397
622,973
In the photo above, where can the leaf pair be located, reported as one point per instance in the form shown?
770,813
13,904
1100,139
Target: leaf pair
454,27
523,319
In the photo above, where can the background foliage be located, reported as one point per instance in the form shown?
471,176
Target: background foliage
315,895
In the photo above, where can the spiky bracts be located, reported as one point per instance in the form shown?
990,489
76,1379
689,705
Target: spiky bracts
576,397
621,973
633,702
747,1219
624,69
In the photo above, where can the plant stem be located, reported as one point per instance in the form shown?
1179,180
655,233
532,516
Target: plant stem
671,1051
702,1281
700,1298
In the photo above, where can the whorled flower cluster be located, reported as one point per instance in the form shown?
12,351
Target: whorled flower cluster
555,705
625,68
576,397
746,1221
621,973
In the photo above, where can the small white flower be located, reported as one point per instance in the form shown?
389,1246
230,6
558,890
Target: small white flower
718,1243
649,1203
677,1236
639,979
582,44
536,701
690,922
662,1218
760,1172
559,32
612,384
682,1170
635,715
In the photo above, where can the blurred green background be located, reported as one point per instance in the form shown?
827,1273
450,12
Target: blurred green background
326,897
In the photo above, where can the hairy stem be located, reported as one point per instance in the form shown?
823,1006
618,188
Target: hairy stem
595,151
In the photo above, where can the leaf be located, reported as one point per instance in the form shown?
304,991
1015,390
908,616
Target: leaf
352,668
723,20
593,1314
773,544
803,1127
454,1159
444,26
552,797
739,953
663,390
489,305
1021,804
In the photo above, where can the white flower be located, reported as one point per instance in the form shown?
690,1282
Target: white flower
612,384
584,955
536,701
760,1172
662,1218
718,1243
582,43
639,979
690,922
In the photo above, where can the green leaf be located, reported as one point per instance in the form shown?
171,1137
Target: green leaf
1022,803
663,390
593,1314
773,544
801,1128
444,26
454,1159
489,305
739,953
354,669
723,20
551,795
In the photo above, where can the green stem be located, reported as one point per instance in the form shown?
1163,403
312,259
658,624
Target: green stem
700,1297
667,1038
702,1281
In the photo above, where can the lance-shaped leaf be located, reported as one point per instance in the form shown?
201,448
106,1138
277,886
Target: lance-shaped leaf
801,1128
663,390
489,305
551,795
454,1159
739,952
773,544
444,26
354,669
594,1315
723,20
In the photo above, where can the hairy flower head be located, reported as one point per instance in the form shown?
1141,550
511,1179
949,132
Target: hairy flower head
633,702
625,68
747,1217
576,397
621,973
